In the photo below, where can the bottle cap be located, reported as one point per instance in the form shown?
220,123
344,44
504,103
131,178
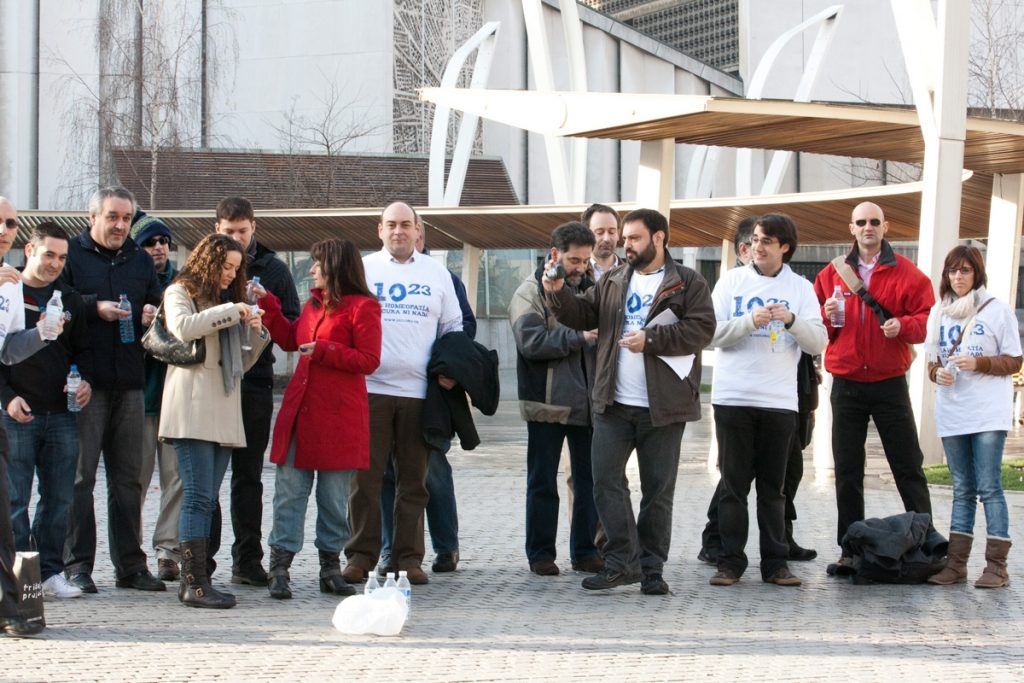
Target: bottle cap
403,573
391,575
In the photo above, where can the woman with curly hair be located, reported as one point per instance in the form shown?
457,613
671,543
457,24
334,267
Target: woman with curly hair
201,410
973,349
323,429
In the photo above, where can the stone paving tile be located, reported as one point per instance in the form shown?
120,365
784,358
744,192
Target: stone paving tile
494,621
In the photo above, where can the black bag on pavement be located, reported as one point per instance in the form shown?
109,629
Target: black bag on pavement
29,576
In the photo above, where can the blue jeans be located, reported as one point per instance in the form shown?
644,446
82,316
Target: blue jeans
639,544
543,455
201,466
442,511
975,461
292,487
48,444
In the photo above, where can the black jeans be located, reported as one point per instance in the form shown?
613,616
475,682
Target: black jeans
247,479
711,539
754,445
8,584
543,454
887,403
111,426
635,544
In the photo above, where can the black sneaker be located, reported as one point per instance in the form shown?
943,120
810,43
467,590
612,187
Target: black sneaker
384,567
445,562
799,554
84,582
141,581
609,578
653,584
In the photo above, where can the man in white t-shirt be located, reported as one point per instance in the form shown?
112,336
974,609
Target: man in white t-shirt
767,315
648,312
418,306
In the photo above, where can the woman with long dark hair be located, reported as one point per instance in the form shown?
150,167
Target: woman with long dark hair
323,428
973,349
201,409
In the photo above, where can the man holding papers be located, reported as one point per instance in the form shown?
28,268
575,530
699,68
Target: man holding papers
766,315
639,401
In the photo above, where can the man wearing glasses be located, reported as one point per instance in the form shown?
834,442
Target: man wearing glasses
153,235
868,357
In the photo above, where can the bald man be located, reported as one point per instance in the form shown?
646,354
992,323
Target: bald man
869,357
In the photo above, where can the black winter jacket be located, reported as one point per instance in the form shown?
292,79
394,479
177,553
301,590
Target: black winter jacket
100,275
446,412
276,279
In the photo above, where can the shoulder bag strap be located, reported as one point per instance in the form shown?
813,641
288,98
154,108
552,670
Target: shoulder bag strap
970,323
856,285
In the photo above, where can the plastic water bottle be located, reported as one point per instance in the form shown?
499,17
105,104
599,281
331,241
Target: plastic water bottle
405,588
126,325
838,318
74,381
390,582
371,583
254,282
54,312
951,368
775,330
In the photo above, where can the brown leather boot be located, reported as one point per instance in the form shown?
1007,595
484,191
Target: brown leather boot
995,575
955,570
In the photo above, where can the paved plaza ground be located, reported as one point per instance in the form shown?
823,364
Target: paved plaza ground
494,621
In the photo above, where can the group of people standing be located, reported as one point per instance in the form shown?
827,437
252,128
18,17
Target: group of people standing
609,360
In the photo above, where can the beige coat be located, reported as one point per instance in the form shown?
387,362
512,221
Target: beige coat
194,405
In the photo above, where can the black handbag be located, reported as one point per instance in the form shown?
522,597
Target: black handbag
166,348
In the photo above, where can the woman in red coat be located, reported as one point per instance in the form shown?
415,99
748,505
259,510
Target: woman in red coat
323,428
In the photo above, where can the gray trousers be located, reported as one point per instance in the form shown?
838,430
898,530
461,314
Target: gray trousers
165,533
635,544
111,426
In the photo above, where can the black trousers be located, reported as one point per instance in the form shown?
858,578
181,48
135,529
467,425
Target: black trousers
888,404
8,584
247,479
754,445
711,539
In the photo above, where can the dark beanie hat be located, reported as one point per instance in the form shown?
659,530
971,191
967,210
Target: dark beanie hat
145,226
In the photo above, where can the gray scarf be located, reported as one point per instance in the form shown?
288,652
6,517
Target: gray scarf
231,368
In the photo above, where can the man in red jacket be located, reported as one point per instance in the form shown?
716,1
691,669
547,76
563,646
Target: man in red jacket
868,358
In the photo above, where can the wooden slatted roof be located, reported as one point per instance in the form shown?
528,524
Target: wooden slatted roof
821,217
874,132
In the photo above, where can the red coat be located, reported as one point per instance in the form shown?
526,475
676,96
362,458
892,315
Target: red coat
325,405
860,351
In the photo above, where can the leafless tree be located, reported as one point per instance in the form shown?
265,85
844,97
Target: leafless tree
329,129
996,61
157,59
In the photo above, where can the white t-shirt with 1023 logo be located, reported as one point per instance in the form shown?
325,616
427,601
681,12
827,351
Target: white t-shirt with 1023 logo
630,376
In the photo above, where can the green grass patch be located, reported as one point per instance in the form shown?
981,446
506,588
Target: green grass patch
1013,475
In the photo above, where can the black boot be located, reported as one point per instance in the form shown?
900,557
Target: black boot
194,589
280,561
330,575
796,553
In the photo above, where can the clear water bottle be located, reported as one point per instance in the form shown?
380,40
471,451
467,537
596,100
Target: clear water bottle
838,318
253,283
371,583
390,582
405,588
54,312
254,307
775,330
126,325
74,381
950,390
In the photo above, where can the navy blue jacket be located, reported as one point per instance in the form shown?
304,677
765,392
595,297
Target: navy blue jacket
99,275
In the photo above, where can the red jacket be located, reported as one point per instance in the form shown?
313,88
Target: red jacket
325,407
859,351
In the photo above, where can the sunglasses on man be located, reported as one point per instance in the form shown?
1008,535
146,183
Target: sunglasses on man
861,222
153,241
10,224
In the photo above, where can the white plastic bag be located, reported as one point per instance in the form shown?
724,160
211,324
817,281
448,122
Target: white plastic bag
381,613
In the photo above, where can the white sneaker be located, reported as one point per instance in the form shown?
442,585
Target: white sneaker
58,587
